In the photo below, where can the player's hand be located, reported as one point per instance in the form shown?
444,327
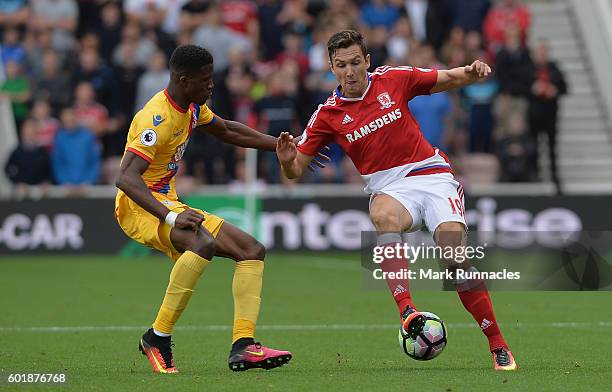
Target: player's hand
478,70
319,159
189,219
286,151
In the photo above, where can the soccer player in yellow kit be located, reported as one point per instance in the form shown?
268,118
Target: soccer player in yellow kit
148,210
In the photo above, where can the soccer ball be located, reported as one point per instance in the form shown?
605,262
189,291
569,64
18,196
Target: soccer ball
429,343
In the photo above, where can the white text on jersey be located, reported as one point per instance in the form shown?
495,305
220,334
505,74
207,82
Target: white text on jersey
374,125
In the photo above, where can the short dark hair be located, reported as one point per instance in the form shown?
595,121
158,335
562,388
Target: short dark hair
344,39
189,59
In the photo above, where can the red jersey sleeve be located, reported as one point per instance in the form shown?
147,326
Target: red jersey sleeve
316,135
420,81
412,81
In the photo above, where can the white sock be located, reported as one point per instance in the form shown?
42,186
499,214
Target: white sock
163,335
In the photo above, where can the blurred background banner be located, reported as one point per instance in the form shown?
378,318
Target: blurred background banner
313,223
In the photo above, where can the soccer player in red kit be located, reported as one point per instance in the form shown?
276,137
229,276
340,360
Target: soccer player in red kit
410,182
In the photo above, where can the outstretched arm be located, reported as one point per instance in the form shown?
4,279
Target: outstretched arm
238,134
461,76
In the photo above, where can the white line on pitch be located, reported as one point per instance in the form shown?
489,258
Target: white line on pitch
298,327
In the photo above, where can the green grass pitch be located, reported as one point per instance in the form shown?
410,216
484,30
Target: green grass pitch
342,336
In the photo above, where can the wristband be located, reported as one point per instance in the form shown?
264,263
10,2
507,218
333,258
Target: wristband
171,218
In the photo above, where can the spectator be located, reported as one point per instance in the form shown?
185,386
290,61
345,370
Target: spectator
513,65
36,44
88,113
46,125
91,69
109,30
401,41
269,12
12,50
513,72
153,80
132,36
475,49
431,111
505,15
547,87
453,52
29,163
58,15
171,23
240,16
339,15
218,39
239,82
517,152
317,53
277,112
89,41
379,13
138,11
76,156
193,14
479,99
294,51
52,85
14,13
89,15
153,31
468,14
294,16
17,89
127,73
377,46
438,22
417,12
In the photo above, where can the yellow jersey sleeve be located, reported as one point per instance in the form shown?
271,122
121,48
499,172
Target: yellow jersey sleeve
206,116
147,136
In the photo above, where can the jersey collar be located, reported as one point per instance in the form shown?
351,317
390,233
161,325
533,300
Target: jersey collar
342,97
173,103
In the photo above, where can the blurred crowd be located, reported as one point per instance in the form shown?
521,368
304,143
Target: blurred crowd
75,73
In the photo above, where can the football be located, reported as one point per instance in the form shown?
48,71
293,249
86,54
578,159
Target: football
429,343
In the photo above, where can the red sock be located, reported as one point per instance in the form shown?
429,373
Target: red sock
400,289
478,302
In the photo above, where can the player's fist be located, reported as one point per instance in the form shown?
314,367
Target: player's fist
189,219
286,151
478,70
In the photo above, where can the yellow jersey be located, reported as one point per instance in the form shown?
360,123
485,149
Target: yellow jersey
159,134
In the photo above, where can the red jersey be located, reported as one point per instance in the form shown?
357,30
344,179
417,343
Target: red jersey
238,14
377,130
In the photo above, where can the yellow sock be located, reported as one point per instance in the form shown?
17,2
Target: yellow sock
246,288
183,278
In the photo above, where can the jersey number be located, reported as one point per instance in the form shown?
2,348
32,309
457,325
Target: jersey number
456,206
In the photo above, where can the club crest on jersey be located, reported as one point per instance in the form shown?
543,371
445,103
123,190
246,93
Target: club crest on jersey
385,100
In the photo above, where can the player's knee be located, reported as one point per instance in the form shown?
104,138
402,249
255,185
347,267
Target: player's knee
385,219
254,251
203,245
450,234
